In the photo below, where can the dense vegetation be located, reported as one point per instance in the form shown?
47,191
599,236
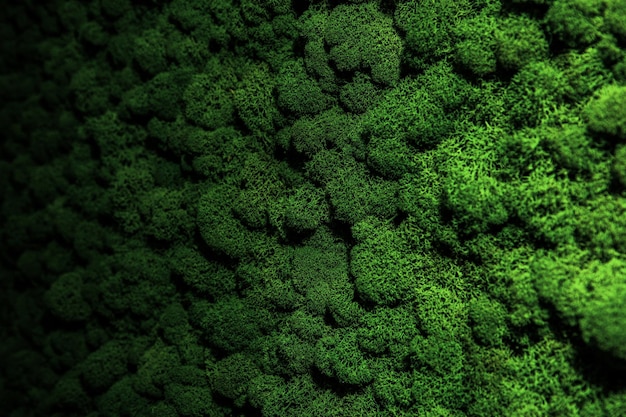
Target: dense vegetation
313,208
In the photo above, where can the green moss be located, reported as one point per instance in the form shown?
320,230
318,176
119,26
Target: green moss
476,46
488,318
317,208
149,51
619,165
231,325
298,93
191,401
230,376
361,36
411,114
103,367
614,17
575,22
306,209
429,30
603,318
209,104
535,91
605,113
383,266
254,99
339,357
201,274
66,300
360,94
519,41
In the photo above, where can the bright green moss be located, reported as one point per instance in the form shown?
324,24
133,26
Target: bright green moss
606,113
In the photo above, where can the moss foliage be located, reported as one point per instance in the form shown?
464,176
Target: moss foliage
313,208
